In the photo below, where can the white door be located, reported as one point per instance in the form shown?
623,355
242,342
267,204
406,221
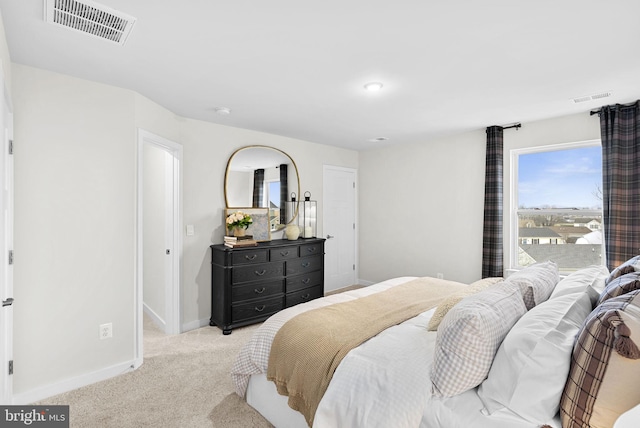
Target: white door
339,227
6,248
164,253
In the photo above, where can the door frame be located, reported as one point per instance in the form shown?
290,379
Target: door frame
172,293
325,169
6,276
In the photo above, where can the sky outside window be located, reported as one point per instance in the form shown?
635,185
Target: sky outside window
569,178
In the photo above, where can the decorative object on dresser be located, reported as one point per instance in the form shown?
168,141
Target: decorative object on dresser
258,227
308,215
240,241
249,284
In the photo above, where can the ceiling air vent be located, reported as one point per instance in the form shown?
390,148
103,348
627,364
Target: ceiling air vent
90,18
592,97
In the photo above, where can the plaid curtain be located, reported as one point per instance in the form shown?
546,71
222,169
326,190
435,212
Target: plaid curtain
492,245
258,187
620,133
284,192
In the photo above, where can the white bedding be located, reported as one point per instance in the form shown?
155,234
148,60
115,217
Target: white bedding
382,383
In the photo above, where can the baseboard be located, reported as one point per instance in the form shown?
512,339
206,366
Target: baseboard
45,392
157,320
195,325
365,283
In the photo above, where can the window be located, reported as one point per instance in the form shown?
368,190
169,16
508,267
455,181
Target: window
557,206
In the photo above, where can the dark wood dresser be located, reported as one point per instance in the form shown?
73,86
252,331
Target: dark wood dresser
252,283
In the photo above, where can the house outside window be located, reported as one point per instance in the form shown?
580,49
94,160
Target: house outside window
556,205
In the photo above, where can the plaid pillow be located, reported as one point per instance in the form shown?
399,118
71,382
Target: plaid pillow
605,365
619,286
469,337
631,265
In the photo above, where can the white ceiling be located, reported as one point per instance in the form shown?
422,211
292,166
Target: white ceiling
297,68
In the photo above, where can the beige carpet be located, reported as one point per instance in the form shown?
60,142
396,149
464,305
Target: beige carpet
184,382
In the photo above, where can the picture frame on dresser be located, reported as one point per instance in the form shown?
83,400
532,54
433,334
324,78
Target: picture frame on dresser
249,284
260,229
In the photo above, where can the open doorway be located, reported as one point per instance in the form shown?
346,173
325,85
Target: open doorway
159,242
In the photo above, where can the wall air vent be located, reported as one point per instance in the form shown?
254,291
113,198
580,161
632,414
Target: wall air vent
592,97
90,18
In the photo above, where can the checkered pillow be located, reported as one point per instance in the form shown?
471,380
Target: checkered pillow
619,286
605,365
631,265
536,282
470,335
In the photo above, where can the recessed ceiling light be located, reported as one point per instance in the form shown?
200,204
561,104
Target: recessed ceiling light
222,110
373,86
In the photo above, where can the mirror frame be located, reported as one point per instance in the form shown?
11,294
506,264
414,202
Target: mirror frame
295,167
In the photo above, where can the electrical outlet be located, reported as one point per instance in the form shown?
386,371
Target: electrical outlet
440,275
106,331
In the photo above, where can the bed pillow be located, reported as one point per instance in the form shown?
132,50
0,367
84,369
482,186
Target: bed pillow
590,280
620,285
536,282
605,365
469,337
531,366
450,301
631,265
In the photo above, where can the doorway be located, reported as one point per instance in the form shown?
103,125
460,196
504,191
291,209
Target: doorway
339,227
159,241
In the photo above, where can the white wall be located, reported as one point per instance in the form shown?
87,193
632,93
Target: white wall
74,227
421,205
421,209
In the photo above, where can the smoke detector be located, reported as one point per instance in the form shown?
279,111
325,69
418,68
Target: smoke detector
90,18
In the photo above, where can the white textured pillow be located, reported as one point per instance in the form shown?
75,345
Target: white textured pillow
536,282
531,367
452,300
587,280
470,335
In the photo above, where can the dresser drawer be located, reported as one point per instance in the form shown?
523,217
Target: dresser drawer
240,257
257,272
304,295
256,290
298,282
262,308
284,253
303,265
311,250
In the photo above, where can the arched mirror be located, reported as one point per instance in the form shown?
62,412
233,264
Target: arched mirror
262,176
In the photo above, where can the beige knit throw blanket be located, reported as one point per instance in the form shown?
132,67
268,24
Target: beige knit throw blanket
309,347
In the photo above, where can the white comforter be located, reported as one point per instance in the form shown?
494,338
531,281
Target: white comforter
382,383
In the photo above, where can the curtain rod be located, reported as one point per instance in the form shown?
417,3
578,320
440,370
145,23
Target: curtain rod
516,125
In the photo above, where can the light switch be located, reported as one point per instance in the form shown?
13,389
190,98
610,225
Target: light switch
190,230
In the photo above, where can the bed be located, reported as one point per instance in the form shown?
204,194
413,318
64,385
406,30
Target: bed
410,375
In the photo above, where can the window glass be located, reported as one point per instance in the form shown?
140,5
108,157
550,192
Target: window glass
558,207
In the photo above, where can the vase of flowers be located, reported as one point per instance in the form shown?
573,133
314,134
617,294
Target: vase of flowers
238,222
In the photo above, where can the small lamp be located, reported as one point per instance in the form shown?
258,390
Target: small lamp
307,216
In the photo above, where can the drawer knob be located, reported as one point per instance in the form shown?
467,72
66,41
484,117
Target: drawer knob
284,253
306,280
306,264
306,296
259,291
311,249
251,257
259,309
262,272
